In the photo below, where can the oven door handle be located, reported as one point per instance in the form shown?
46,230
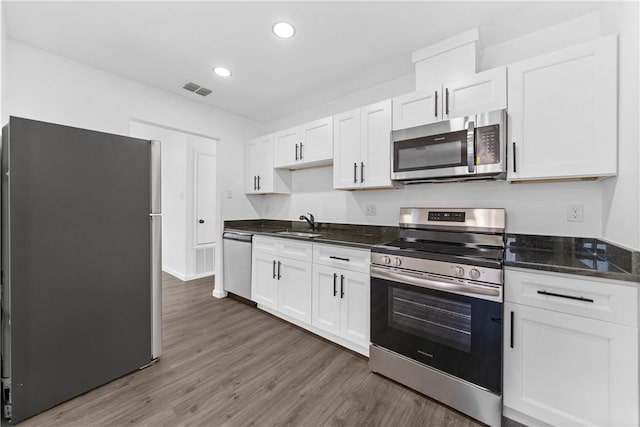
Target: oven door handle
487,292
471,147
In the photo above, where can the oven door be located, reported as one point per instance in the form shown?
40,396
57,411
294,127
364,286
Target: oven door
437,150
456,333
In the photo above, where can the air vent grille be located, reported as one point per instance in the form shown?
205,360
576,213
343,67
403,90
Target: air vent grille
196,88
203,91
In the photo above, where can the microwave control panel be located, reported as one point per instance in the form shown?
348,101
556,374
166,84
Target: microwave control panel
488,145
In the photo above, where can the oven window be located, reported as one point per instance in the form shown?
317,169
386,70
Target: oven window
437,319
431,152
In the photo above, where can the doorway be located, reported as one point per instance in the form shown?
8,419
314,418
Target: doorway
189,223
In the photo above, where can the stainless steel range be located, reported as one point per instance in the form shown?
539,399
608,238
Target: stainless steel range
436,307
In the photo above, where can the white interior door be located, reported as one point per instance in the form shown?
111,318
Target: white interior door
205,197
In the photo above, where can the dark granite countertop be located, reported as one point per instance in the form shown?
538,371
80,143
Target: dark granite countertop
359,236
572,255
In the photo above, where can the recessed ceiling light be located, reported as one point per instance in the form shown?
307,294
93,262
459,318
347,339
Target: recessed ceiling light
222,72
284,30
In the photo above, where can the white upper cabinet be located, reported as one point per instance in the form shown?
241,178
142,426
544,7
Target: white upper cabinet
260,175
417,108
287,147
305,146
362,144
485,91
477,93
562,113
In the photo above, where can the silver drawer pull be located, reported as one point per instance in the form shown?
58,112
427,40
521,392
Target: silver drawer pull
552,294
341,259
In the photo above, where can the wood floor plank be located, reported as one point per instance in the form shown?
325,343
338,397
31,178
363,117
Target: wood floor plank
228,364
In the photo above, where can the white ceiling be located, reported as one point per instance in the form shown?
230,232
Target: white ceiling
339,47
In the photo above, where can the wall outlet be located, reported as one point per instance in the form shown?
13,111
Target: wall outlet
575,213
229,194
370,209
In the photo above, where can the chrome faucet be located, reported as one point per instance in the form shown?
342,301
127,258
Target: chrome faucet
311,220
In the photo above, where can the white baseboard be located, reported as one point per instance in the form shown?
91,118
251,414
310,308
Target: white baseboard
186,278
200,276
174,273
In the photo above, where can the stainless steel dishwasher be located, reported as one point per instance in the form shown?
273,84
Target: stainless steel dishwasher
237,263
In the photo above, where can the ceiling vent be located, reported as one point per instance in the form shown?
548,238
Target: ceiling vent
196,88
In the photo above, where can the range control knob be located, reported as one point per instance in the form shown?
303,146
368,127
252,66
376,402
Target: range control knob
474,273
398,262
386,259
459,271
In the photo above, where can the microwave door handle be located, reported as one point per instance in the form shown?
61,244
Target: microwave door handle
471,147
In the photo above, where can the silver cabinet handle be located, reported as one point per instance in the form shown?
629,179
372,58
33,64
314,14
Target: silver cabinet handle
254,183
355,173
361,171
258,182
274,269
301,151
471,147
514,157
335,277
279,276
296,152
341,286
341,259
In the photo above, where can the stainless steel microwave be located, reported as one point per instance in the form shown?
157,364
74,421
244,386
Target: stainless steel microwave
463,148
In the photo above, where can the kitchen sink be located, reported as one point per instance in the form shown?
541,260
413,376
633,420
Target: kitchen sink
299,234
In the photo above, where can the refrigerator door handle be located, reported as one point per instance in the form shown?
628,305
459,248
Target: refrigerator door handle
156,286
156,198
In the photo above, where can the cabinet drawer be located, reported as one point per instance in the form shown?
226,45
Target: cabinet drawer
582,296
294,249
265,245
342,257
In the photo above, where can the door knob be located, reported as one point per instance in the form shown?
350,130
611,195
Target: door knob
201,221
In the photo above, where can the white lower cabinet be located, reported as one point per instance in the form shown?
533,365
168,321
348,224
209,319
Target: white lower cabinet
281,283
341,303
294,290
566,369
329,297
264,287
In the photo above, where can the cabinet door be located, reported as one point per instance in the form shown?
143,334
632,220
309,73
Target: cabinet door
325,312
264,162
346,139
417,108
478,93
251,156
562,113
376,145
317,142
569,370
294,289
286,147
354,309
264,288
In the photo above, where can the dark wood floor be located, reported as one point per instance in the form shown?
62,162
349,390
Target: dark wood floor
225,363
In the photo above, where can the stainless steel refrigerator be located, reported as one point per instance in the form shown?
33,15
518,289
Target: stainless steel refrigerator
81,262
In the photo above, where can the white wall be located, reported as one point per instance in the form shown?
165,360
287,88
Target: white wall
538,208
47,87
